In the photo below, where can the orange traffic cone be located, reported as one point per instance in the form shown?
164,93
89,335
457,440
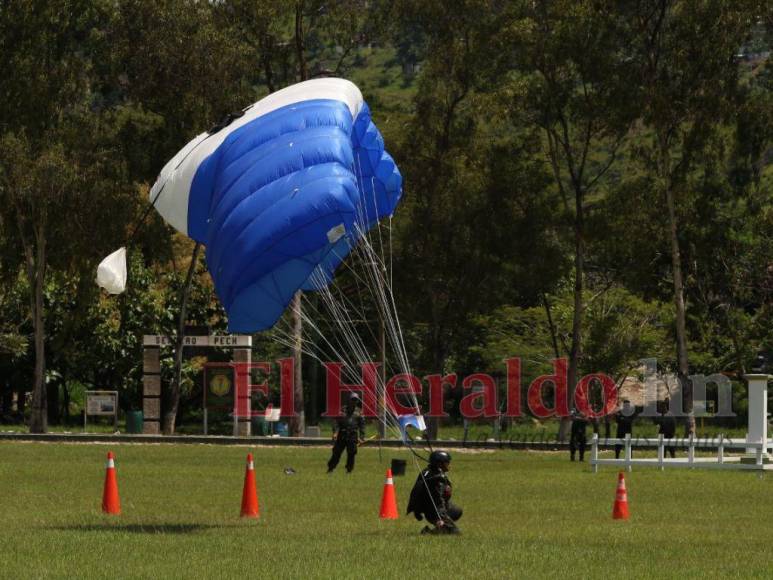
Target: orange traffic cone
111,503
620,509
388,499
250,508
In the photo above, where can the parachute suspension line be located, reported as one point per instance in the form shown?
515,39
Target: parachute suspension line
369,284
285,338
378,225
371,275
386,303
368,268
144,216
362,209
375,287
352,343
390,253
381,290
346,326
391,325
376,281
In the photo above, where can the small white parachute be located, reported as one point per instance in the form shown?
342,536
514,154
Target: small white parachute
111,272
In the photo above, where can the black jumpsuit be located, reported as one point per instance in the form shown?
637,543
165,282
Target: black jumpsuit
624,427
667,428
578,440
431,498
350,428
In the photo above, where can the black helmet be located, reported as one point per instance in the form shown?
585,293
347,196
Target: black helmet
436,458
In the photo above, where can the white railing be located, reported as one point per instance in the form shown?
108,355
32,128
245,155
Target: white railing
756,453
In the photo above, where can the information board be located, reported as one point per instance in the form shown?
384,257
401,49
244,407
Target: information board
101,404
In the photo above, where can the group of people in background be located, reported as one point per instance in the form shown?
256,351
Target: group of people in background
624,418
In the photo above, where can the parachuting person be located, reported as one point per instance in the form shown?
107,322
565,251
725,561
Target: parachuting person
431,496
348,432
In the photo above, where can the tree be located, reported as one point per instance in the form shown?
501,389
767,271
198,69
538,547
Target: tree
577,89
623,330
688,76
171,80
39,176
261,27
729,227
37,188
452,229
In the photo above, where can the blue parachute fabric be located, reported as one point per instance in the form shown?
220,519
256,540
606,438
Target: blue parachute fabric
283,200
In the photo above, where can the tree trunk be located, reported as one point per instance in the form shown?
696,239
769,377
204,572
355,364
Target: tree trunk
6,399
551,325
298,422
683,366
314,394
681,326
52,403
36,273
173,397
314,391
300,43
381,391
438,362
65,403
39,413
575,352
267,49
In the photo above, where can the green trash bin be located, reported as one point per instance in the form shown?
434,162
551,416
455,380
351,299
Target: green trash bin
134,421
259,427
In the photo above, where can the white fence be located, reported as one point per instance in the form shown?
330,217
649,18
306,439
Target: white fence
755,458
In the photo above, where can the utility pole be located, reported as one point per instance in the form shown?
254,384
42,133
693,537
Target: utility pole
382,391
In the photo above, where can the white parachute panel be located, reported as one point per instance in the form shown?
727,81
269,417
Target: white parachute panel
111,272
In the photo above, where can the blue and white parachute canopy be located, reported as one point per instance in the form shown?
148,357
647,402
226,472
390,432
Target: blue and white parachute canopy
281,193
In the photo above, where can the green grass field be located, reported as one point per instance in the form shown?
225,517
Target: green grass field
526,515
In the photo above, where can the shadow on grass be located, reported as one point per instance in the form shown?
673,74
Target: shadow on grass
138,528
